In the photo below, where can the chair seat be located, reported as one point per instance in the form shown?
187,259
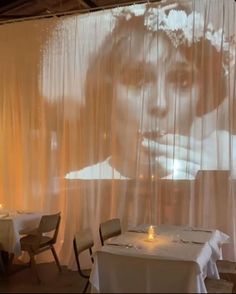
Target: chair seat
227,271
226,266
30,241
218,286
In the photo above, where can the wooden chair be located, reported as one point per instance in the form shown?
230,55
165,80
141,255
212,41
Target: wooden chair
218,286
83,241
36,241
227,270
108,229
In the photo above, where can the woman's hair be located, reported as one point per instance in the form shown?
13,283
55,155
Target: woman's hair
112,55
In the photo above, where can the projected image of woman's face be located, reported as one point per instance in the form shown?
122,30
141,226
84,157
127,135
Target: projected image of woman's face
148,103
156,94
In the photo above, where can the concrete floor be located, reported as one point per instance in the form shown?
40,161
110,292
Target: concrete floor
52,281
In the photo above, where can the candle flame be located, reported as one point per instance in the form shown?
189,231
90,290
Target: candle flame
151,233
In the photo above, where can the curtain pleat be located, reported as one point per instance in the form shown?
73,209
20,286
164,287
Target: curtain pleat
128,113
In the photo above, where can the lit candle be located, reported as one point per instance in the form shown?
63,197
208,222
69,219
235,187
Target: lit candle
151,233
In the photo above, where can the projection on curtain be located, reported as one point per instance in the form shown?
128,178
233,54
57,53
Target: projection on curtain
155,93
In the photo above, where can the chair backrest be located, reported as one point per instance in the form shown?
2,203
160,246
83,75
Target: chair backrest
83,240
109,229
50,223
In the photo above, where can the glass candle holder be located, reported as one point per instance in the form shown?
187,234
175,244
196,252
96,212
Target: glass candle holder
151,233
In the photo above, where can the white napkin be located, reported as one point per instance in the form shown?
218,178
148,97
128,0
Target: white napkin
138,230
24,212
3,215
191,241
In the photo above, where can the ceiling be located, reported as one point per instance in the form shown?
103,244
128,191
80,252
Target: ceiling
18,9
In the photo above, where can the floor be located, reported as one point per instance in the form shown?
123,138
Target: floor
67,281
52,281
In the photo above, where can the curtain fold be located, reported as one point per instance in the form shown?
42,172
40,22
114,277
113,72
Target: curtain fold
128,113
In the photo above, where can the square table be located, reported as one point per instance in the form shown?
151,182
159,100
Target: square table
12,226
178,260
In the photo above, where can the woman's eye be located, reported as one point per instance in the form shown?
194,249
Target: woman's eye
180,79
184,80
135,77
132,77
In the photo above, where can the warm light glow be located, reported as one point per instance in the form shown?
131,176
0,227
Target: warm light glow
151,233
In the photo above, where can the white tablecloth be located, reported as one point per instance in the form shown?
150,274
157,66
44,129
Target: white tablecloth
12,226
177,261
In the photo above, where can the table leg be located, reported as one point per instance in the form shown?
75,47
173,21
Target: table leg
2,263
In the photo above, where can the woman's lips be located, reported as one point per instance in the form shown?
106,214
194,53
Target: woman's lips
150,135
151,143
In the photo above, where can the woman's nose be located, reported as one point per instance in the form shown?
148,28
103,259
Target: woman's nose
158,106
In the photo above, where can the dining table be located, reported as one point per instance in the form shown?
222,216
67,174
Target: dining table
176,260
13,225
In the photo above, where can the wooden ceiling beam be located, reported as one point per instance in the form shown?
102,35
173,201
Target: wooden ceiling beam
90,3
5,6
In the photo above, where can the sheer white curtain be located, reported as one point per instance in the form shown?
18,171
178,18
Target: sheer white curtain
125,113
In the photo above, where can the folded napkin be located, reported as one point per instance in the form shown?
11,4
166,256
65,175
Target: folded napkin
120,244
198,230
197,242
138,230
190,241
3,215
202,230
24,212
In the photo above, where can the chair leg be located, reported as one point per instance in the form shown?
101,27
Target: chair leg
86,287
56,258
34,267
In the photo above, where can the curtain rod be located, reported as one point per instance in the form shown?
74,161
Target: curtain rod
73,12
